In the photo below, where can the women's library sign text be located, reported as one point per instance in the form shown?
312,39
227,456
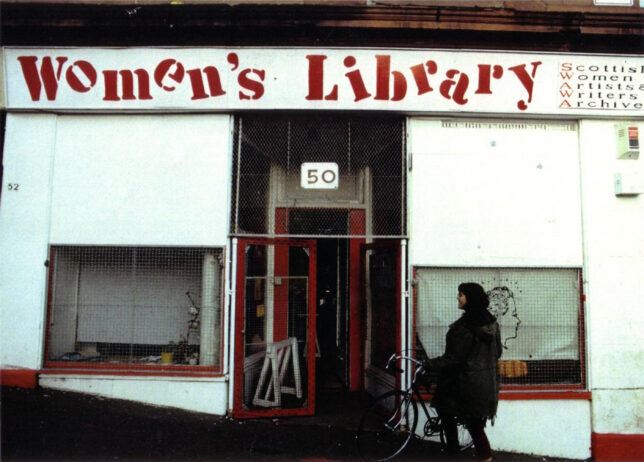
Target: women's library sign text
176,79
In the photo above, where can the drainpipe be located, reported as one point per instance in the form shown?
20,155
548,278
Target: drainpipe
404,318
229,365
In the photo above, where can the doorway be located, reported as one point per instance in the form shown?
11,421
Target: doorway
277,199
333,291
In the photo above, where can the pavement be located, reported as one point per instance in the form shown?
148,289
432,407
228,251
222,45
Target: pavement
49,425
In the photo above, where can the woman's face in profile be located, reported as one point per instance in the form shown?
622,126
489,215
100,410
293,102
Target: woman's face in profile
462,300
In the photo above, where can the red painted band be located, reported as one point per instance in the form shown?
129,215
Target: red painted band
207,373
613,447
23,378
543,395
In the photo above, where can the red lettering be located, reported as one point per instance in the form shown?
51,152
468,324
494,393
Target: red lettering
383,72
163,70
355,78
256,87
420,77
233,60
127,82
214,83
486,72
316,80
527,80
461,86
111,86
75,83
49,77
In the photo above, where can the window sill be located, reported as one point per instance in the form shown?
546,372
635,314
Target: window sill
131,370
545,395
525,395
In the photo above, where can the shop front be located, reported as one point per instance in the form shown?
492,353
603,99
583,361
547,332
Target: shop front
237,230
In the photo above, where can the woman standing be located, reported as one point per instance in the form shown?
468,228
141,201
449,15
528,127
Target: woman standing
468,386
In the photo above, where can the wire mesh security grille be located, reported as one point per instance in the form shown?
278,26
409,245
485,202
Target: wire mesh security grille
142,306
538,309
275,194
277,333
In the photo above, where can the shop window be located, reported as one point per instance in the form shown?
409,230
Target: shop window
539,311
135,306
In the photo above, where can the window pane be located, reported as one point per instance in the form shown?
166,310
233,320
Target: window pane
128,305
538,310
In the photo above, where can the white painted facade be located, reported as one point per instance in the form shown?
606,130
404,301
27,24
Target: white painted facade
614,265
565,192
192,394
499,227
179,162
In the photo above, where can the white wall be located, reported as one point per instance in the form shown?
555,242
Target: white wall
193,394
614,268
108,180
494,193
609,229
24,234
487,194
141,180
555,428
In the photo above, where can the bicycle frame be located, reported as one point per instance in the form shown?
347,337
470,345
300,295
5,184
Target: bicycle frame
433,422
384,431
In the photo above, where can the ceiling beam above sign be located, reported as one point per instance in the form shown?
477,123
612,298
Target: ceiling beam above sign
573,25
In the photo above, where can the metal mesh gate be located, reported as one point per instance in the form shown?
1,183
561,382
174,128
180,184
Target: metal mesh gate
271,199
276,328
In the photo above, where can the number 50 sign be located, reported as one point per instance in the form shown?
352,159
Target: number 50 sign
319,175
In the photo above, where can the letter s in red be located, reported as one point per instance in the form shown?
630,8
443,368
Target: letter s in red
256,87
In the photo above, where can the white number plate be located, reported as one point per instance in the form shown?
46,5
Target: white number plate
319,175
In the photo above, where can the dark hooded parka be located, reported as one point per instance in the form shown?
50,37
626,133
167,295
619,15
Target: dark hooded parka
468,385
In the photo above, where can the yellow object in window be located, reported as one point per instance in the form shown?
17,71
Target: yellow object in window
513,368
260,311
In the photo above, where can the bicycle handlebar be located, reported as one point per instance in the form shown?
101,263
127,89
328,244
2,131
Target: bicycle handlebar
400,357
419,369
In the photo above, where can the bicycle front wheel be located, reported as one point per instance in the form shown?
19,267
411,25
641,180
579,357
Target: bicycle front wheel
387,426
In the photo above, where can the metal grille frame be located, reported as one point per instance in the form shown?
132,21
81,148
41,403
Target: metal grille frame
547,366
135,308
370,153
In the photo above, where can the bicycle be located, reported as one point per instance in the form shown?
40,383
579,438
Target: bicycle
389,423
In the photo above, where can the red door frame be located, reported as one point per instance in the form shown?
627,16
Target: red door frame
281,266
357,226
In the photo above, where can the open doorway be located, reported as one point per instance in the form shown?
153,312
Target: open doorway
333,314
279,163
